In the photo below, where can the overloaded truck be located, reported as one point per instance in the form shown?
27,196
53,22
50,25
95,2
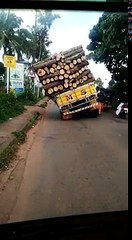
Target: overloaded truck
68,81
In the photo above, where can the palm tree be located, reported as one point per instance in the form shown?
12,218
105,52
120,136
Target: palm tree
40,38
13,39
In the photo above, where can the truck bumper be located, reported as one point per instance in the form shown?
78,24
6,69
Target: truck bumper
91,107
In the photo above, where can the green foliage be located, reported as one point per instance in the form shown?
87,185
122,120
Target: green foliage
98,82
27,97
20,135
109,45
9,106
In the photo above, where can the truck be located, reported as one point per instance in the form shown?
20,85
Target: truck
68,81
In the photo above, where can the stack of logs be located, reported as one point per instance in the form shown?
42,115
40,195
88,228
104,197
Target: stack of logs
64,71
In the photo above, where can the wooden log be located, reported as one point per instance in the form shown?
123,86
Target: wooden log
51,85
41,72
55,89
71,52
56,78
58,67
50,90
58,57
60,87
90,75
47,80
66,67
84,78
79,60
44,82
74,57
74,61
61,77
54,65
53,75
66,75
71,65
74,85
83,58
66,81
52,79
52,70
68,71
62,71
65,85
42,64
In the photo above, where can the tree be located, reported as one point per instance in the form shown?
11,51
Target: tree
99,83
109,45
40,38
13,39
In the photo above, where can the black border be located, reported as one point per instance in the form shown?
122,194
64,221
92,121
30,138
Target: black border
66,5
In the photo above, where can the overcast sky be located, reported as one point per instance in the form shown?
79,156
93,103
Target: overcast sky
70,30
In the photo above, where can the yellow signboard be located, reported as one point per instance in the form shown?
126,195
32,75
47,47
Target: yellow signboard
9,61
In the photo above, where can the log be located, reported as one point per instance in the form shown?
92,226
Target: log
66,67
55,89
74,61
66,75
62,71
58,67
47,80
53,75
74,57
71,65
66,85
61,77
71,52
74,85
60,87
42,64
51,85
54,65
52,70
84,78
40,72
56,78
58,57
66,81
79,60
44,82
90,75
50,90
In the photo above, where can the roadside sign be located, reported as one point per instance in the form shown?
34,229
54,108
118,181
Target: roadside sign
17,77
9,61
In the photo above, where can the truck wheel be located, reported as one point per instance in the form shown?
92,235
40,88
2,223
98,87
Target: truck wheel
66,117
95,113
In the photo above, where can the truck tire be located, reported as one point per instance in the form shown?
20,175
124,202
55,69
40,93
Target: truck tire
94,113
66,117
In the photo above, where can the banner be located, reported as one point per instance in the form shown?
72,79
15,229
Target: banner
17,77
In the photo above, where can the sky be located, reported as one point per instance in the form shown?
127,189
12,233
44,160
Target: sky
70,30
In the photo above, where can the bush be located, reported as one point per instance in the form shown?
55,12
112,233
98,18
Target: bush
9,106
27,97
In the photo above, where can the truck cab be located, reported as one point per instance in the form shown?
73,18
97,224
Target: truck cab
83,98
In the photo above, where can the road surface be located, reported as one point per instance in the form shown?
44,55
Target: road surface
70,167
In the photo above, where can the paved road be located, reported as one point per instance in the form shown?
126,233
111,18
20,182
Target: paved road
74,167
